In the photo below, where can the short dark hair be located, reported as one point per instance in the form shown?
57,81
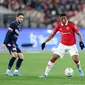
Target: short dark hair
63,14
20,14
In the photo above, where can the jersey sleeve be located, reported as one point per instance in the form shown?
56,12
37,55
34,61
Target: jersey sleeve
75,28
12,27
55,29
8,34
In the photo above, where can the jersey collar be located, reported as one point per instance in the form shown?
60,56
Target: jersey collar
17,22
65,24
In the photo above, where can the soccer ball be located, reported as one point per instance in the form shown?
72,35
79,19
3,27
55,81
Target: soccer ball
68,72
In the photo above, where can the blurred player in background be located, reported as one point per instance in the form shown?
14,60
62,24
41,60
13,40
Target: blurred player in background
67,31
10,43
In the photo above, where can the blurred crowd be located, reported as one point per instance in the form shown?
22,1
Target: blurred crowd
65,5
50,8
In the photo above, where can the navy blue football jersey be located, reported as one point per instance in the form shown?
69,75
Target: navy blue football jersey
12,33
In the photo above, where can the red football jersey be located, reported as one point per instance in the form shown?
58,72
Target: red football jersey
67,32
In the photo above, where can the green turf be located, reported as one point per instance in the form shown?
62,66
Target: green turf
34,65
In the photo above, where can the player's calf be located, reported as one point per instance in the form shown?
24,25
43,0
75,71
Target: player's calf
54,58
77,61
11,62
18,64
50,65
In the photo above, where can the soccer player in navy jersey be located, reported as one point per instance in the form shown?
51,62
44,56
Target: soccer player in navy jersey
10,42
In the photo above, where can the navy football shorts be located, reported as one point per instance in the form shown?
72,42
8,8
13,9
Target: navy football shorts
13,48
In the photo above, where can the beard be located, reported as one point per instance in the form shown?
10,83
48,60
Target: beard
19,22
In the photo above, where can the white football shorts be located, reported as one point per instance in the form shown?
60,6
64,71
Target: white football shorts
63,49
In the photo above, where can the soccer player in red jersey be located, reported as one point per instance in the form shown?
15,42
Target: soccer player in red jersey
67,31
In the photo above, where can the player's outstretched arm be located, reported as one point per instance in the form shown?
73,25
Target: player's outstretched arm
48,39
81,44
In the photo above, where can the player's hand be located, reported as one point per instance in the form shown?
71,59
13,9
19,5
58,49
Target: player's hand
81,45
43,45
3,46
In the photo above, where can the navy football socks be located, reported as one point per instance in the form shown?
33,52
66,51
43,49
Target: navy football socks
11,63
18,64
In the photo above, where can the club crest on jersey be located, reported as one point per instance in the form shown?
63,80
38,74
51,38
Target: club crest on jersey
67,28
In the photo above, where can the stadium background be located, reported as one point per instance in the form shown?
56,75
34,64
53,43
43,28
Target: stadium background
39,21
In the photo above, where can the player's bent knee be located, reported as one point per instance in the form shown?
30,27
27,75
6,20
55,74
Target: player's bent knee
14,54
56,56
75,57
20,55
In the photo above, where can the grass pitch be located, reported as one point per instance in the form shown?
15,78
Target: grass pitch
34,65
